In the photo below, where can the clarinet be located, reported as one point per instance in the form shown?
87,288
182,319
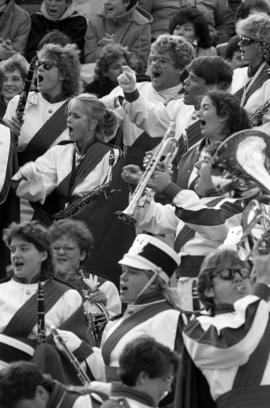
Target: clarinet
41,338
24,95
81,374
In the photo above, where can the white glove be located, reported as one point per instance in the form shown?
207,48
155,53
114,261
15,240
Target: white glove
71,340
29,172
127,80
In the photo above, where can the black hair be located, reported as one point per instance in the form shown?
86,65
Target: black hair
232,46
249,6
197,18
214,70
19,381
36,234
227,105
145,354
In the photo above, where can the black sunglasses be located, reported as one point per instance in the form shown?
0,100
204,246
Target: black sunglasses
229,273
246,40
47,65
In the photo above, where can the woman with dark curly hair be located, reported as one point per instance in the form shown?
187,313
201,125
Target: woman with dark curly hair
58,79
191,24
251,84
31,260
108,67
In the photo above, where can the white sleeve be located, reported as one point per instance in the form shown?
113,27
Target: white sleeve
42,179
113,299
96,364
153,118
156,218
227,340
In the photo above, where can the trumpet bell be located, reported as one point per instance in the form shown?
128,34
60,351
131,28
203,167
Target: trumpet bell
242,163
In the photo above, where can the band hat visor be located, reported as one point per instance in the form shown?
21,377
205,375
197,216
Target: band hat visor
149,253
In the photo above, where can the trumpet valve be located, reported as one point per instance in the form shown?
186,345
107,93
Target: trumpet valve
126,218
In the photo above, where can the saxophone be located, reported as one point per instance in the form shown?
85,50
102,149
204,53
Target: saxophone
81,202
257,116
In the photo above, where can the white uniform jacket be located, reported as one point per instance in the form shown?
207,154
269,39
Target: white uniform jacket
37,112
222,344
47,172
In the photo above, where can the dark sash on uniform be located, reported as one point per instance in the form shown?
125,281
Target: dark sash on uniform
93,156
57,199
247,391
25,318
45,136
129,323
135,154
12,167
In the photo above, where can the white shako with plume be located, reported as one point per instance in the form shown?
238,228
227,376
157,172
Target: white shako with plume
149,253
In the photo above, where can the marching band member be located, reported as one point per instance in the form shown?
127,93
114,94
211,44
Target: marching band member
44,119
74,168
205,73
151,306
23,385
168,59
251,84
9,203
229,343
31,260
80,168
198,221
146,370
72,244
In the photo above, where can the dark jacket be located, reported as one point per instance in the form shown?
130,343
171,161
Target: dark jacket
71,23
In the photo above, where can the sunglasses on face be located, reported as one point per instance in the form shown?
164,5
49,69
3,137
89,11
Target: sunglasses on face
47,65
245,40
230,273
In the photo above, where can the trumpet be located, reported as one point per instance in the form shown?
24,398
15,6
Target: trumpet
167,147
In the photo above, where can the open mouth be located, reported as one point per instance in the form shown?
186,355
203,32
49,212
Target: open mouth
123,289
156,74
40,78
109,9
241,288
202,122
18,264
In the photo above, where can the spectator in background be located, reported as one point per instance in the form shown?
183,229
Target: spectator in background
13,72
108,68
192,24
219,15
161,12
54,37
248,7
58,15
15,25
120,22
233,53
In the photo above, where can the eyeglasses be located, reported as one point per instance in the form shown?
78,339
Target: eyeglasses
162,61
63,248
246,40
47,65
230,273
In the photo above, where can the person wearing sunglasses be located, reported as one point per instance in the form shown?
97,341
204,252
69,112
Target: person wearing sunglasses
57,79
251,84
230,341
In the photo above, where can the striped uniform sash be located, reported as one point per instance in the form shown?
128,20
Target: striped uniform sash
193,135
187,233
